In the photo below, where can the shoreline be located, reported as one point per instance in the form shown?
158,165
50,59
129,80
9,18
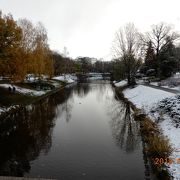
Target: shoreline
160,170
18,107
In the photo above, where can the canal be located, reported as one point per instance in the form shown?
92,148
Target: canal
82,132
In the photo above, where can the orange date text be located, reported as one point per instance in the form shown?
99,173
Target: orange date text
161,161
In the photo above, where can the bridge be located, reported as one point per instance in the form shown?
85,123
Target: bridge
85,76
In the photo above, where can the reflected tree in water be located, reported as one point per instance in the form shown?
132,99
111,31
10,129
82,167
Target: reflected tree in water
102,91
124,129
26,134
82,89
66,106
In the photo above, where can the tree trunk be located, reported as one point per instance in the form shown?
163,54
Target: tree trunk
129,79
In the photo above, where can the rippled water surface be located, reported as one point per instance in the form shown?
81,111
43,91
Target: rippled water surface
82,132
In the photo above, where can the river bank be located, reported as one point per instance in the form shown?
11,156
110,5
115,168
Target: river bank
158,146
81,132
24,94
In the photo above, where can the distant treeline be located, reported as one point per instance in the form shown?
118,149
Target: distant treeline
154,53
24,50
79,65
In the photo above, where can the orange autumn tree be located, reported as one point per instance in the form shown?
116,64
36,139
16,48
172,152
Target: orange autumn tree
23,49
10,38
43,62
27,44
36,50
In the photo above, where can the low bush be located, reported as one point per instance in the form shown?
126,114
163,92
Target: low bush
148,127
159,147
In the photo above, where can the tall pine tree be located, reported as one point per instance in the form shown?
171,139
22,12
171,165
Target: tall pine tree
150,57
168,63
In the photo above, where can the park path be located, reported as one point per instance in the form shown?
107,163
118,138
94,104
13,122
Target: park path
162,88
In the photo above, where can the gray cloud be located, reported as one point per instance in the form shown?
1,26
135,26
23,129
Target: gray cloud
87,27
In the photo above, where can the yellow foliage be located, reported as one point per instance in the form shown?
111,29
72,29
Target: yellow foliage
23,49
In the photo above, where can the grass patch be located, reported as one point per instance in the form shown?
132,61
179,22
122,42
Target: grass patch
159,147
41,85
148,127
9,98
26,85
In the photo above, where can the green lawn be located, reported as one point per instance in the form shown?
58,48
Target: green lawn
9,98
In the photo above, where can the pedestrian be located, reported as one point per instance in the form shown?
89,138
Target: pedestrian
9,88
14,89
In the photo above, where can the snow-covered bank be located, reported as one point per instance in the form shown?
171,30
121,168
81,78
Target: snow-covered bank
164,108
19,90
66,78
95,78
49,87
172,82
168,113
173,87
120,83
7,109
23,90
145,97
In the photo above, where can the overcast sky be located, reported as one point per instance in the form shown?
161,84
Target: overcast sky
87,27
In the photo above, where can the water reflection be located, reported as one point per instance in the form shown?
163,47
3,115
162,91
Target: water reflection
26,134
82,146
82,89
124,129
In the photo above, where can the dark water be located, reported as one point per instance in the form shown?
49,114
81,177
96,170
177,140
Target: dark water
82,132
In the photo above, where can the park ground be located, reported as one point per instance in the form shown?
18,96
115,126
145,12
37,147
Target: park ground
161,103
14,95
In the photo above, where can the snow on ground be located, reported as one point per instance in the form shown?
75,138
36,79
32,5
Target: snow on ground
1,110
169,121
177,75
31,78
145,97
6,109
154,83
176,88
168,87
140,81
66,78
95,78
55,83
24,90
164,108
170,83
120,83
173,135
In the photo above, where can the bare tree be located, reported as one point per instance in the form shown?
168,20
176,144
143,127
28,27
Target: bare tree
160,36
29,35
126,48
66,59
